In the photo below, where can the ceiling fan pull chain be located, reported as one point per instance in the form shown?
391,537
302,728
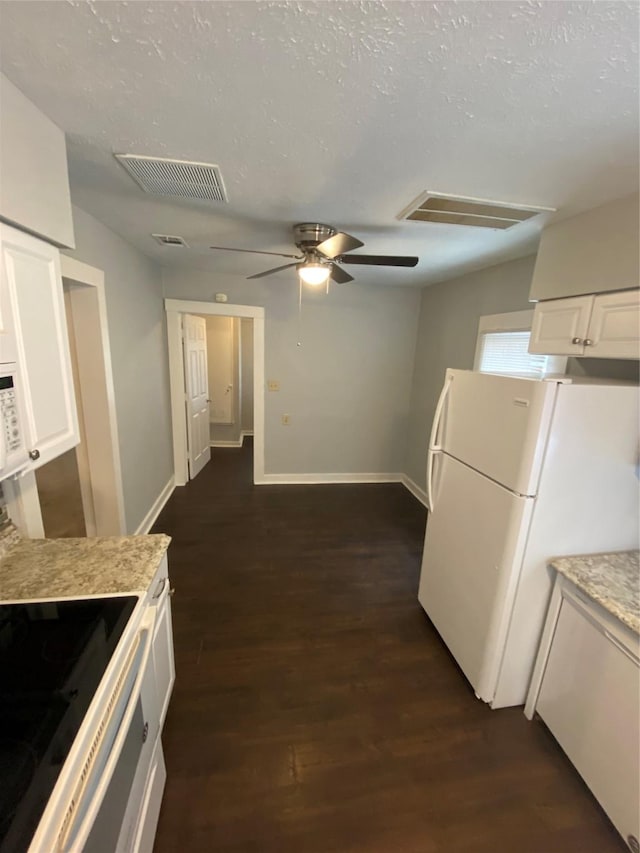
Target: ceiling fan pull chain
299,311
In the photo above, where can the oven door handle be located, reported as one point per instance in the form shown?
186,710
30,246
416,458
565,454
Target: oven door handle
89,792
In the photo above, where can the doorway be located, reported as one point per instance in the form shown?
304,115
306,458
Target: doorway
230,369
176,309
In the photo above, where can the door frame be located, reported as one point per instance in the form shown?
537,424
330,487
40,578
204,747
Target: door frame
98,408
175,308
101,479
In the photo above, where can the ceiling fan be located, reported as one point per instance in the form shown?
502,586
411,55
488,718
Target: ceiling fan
322,248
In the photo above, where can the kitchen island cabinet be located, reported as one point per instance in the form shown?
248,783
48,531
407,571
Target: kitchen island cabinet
586,683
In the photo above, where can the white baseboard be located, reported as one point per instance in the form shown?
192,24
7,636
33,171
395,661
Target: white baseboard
158,505
238,443
415,490
316,479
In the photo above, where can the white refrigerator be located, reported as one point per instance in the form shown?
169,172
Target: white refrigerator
520,471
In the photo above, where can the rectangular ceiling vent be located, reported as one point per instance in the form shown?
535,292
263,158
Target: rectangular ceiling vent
477,212
176,178
170,240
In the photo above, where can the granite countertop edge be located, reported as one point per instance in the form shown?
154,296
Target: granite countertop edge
610,579
49,569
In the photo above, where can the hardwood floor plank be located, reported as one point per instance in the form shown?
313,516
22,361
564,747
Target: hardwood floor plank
316,709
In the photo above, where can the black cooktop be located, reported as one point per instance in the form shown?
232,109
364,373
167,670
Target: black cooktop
52,658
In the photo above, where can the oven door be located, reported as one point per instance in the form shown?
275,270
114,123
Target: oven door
104,810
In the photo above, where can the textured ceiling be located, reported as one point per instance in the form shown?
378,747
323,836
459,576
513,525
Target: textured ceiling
338,112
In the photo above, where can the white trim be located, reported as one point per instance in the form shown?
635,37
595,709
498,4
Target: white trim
316,479
414,488
175,308
215,309
158,505
237,443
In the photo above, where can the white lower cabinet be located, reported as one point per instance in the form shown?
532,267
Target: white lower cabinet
589,698
162,649
602,326
34,335
150,812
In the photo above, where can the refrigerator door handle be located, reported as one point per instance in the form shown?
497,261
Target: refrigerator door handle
437,418
433,446
431,455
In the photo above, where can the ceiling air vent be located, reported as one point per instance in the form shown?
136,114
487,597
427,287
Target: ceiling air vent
170,240
177,178
477,212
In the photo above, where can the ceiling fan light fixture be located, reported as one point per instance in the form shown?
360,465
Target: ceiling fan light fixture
314,273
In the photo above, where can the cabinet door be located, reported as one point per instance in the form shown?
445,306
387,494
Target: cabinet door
34,285
614,330
163,660
560,326
590,700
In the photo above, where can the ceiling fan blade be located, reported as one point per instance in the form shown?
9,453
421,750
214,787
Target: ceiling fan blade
379,260
339,243
255,252
270,272
339,275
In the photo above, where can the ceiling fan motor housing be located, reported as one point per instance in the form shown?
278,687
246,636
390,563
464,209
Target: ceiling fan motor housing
308,235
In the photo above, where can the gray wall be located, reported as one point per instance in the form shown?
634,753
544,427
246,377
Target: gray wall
447,333
246,375
346,388
137,335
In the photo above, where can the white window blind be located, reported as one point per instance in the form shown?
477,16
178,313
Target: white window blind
507,352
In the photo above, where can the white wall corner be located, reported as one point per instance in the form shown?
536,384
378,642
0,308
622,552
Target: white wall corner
158,505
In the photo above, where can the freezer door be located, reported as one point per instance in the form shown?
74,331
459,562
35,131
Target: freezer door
473,552
497,425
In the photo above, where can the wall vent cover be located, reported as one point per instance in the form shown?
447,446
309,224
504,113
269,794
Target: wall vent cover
177,178
170,240
477,212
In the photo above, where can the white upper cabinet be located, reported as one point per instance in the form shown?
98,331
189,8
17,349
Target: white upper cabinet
33,169
560,326
31,292
601,326
594,252
614,329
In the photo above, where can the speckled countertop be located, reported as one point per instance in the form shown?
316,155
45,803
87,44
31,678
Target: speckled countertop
62,568
613,580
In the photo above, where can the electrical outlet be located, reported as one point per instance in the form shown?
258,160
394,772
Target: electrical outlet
273,385
286,420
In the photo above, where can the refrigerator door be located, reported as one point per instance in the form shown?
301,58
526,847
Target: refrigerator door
497,425
473,551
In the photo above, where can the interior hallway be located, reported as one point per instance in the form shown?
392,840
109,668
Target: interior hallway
315,708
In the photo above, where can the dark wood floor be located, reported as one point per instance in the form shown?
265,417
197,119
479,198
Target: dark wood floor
315,708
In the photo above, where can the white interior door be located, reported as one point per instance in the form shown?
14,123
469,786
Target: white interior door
221,343
197,390
472,555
